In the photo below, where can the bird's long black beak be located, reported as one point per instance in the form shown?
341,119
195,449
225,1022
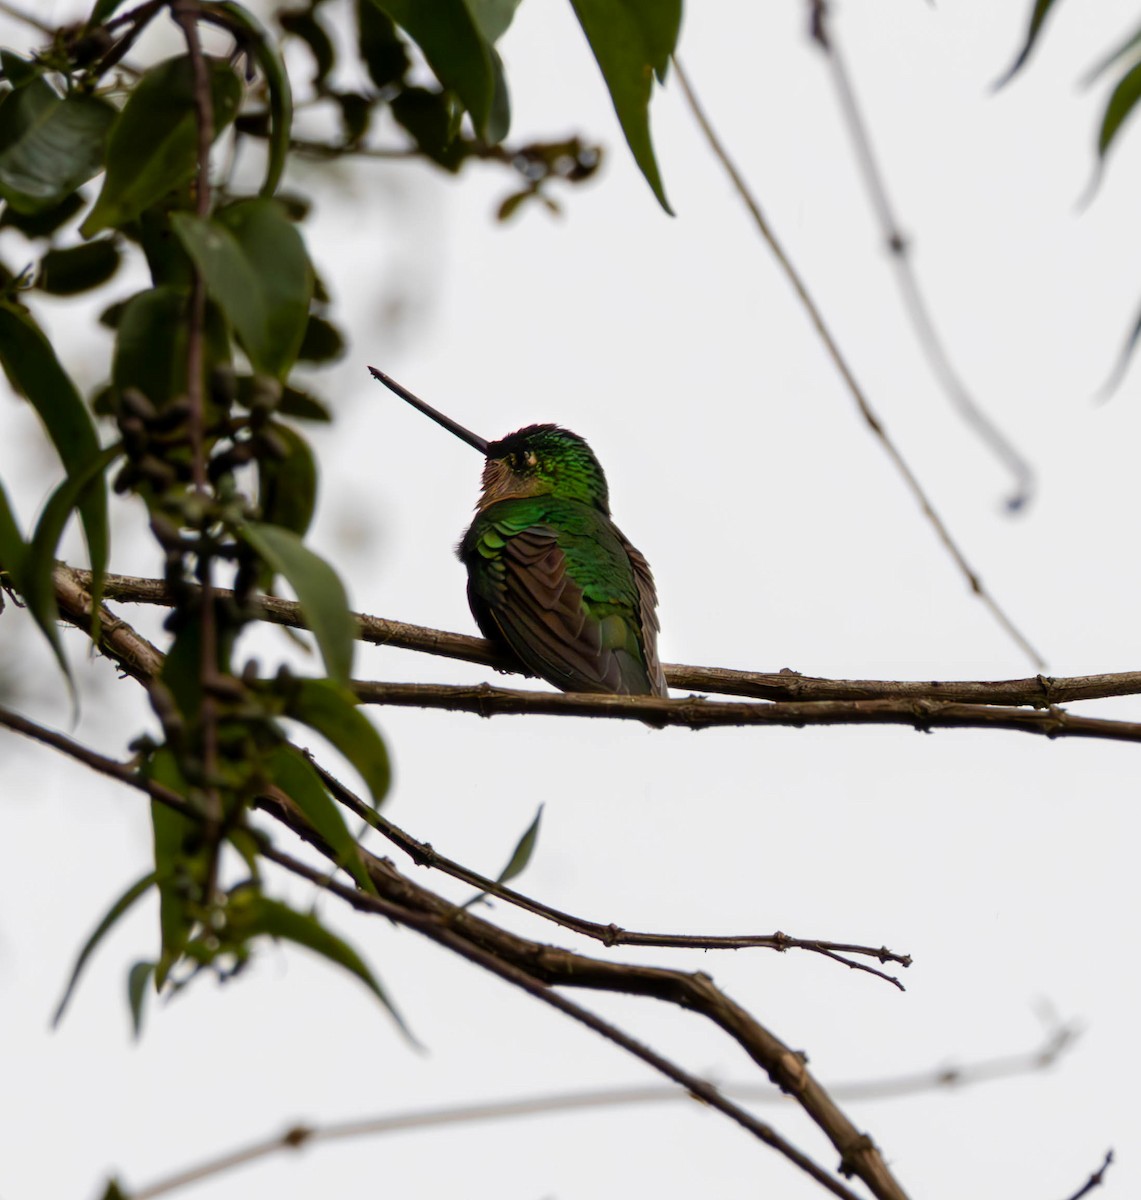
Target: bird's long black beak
472,439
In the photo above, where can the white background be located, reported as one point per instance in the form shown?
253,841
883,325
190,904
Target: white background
780,536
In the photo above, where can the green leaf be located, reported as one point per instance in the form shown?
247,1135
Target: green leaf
153,146
456,50
1121,103
138,977
178,862
331,710
287,487
425,115
17,71
1118,373
254,914
632,40
303,24
1125,50
13,548
520,856
323,341
272,67
150,345
39,563
49,145
381,47
135,892
102,10
319,591
1037,18
493,16
34,371
44,223
78,268
257,272
295,775
303,405
113,1191
523,850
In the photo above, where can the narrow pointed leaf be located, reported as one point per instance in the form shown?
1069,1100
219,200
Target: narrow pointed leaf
135,892
13,548
287,487
39,563
523,851
1037,18
632,40
1121,104
266,916
1125,50
319,591
34,371
456,50
104,9
1122,365
138,977
257,272
49,144
153,148
331,710
295,775
520,856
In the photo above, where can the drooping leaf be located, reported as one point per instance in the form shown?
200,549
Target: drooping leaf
153,144
330,709
1038,16
1122,365
384,52
632,41
138,977
319,591
135,892
287,487
294,774
323,341
259,914
257,272
45,222
39,562
34,371
272,67
1121,104
499,119
1126,49
426,116
78,268
49,144
456,50
17,70
303,24
177,865
13,548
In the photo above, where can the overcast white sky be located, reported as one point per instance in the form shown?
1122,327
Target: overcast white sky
779,536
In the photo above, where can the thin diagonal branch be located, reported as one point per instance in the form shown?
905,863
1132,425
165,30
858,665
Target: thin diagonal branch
609,934
1096,1179
914,302
841,364
1036,691
416,1120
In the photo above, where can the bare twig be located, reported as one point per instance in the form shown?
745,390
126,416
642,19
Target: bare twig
1096,1179
842,366
425,855
1037,691
417,1120
915,304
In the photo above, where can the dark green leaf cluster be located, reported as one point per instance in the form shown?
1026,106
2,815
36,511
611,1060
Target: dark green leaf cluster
200,405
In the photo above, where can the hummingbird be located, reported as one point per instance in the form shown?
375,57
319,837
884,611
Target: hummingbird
553,583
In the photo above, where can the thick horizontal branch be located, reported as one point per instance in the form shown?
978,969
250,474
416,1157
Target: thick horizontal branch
695,712
1037,691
